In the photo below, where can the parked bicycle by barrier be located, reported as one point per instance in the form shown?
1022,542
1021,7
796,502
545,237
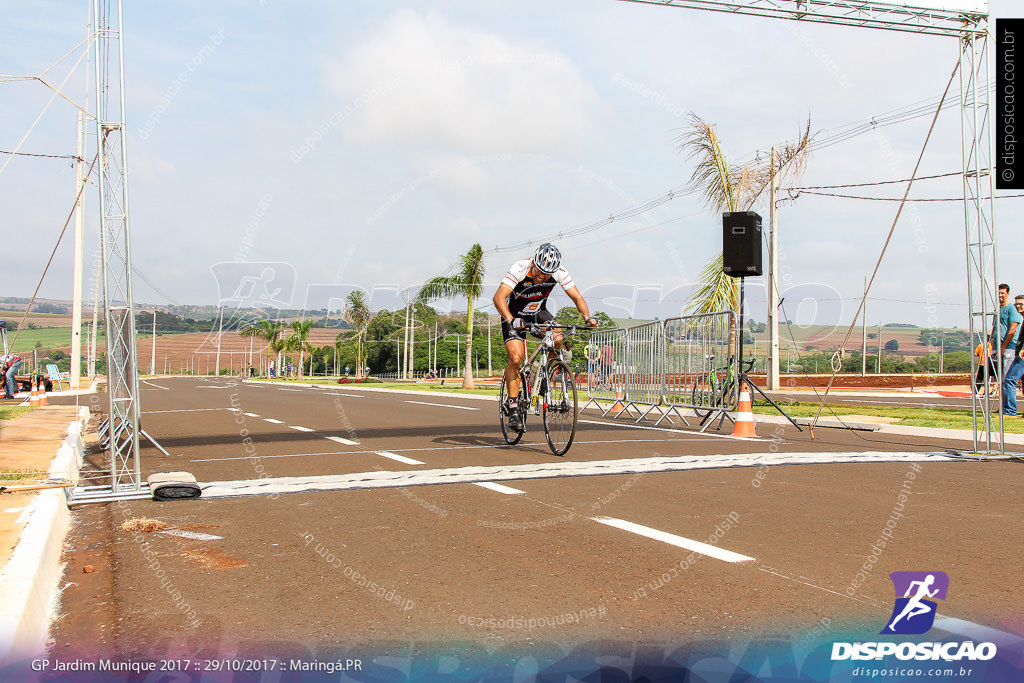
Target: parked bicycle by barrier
550,394
712,394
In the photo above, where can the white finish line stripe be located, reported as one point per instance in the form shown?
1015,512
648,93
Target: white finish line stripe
347,442
399,458
467,475
444,405
672,539
301,429
499,488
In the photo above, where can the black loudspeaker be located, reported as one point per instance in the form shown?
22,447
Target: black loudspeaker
741,243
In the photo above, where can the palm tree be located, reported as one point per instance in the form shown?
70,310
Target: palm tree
357,313
467,282
298,340
267,331
731,188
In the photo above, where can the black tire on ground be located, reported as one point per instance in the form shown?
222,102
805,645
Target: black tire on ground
512,436
559,407
703,396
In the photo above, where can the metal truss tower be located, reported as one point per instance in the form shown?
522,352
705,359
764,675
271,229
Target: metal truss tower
971,29
115,258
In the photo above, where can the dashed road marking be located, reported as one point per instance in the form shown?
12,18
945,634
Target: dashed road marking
443,405
301,429
273,421
499,488
341,440
399,458
672,539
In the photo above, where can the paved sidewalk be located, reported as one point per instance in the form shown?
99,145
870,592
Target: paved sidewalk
28,444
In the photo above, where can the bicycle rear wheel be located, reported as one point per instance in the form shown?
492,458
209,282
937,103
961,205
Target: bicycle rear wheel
703,396
559,410
512,436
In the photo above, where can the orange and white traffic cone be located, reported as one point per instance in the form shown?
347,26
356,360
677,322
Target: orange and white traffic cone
33,399
42,394
744,425
617,407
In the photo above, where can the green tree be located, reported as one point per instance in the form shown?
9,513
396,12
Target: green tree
726,187
265,330
467,282
298,340
358,314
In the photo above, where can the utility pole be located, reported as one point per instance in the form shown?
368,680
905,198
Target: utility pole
864,333
152,360
773,285
879,369
76,304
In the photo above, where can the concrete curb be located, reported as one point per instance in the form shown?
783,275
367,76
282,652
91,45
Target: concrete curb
28,583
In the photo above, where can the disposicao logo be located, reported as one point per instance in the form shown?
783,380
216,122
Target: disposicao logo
914,611
913,614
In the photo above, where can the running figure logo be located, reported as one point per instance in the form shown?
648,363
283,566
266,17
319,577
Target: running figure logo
913,612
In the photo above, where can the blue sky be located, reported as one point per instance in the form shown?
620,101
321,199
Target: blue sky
367,144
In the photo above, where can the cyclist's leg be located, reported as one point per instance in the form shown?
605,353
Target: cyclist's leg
516,349
544,316
515,346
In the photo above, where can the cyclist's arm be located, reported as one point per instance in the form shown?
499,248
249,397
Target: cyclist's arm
501,302
574,294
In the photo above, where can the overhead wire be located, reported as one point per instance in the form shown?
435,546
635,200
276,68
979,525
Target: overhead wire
888,238
49,261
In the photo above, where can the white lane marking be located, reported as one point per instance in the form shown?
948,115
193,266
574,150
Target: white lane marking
194,535
335,393
672,539
285,455
444,405
183,410
549,470
273,421
301,429
399,458
499,488
283,389
250,414
347,442
145,381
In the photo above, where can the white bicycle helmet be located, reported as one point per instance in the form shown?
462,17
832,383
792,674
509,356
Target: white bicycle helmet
548,258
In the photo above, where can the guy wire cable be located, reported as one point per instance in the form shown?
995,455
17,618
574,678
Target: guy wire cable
885,246
42,277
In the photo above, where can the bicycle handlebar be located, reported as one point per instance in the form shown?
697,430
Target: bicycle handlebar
540,328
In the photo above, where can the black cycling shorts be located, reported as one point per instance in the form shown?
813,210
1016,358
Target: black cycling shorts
541,316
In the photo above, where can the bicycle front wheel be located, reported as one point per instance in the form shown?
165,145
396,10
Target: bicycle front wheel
559,410
512,436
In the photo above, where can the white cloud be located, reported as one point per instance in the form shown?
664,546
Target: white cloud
424,81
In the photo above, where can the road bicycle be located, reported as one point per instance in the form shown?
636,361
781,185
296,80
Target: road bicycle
711,393
551,393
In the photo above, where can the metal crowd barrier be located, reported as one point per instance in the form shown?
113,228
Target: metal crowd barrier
665,365
697,347
606,377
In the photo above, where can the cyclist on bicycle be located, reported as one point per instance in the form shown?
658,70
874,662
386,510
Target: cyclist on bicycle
521,300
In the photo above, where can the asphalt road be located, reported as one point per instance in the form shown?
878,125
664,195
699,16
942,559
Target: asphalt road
733,548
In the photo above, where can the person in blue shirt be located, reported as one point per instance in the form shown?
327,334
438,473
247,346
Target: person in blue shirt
1009,321
1016,369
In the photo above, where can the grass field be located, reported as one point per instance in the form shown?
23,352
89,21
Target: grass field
943,418
47,337
11,412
